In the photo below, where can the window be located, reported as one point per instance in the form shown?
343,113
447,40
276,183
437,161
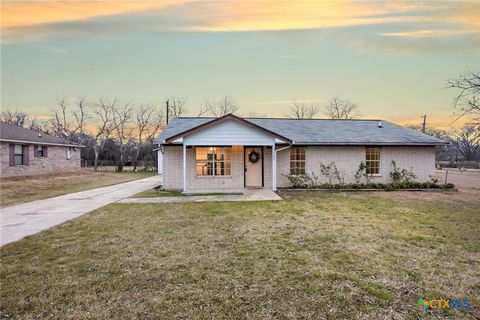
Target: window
69,153
213,161
372,160
297,160
40,152
18,155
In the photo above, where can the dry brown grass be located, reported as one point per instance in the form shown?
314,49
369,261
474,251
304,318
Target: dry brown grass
314,256
24,189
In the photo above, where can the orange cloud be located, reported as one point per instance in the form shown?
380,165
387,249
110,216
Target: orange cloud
429,33
27,18
291,15
35,12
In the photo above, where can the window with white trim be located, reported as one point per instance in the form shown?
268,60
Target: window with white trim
69,153
297,160
18,155
213,161
372,160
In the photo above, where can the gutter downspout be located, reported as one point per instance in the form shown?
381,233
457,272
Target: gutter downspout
274,164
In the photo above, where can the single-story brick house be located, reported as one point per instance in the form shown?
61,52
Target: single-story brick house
25,152
230,153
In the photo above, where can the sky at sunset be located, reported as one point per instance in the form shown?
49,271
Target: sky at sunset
392,58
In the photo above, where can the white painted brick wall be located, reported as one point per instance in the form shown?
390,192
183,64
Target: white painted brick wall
173,168
347,158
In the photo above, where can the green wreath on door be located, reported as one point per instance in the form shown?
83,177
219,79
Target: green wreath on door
253,156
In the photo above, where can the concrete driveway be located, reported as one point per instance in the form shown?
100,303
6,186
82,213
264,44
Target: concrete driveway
25,219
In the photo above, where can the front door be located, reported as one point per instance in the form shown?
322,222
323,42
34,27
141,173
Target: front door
253,167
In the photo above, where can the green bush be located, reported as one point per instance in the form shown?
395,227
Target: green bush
383,186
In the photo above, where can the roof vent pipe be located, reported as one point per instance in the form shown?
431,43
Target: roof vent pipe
380,124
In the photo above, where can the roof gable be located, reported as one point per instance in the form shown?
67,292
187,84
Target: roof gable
220,120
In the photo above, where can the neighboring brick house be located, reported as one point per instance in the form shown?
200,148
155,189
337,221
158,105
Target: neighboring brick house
25,152
230,153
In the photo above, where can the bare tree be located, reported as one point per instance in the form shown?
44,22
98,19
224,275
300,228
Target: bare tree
39,125
203,110
468,99
301,110
467,140
122,115
104,126
60,124
176,107
221,107
338,108
148,123
16,118
80,115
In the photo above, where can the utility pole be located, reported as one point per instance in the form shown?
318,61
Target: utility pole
168,111
424,123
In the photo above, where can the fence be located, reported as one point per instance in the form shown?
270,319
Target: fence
141,164
458,164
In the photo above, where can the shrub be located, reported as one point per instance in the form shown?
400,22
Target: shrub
402,175
384,186
362,172
299,180
331,172
432,178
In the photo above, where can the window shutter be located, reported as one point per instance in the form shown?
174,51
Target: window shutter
45,152
35,151
26,157
11,154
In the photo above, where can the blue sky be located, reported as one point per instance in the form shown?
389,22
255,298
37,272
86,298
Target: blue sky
394,63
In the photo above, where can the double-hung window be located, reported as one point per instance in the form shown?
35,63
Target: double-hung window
297,160
40,152
213,161
372,160
18,155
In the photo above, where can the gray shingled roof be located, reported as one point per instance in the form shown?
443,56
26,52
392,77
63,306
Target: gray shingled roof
322,131
10,132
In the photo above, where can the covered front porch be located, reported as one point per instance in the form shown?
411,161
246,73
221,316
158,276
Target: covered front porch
226,154
228,168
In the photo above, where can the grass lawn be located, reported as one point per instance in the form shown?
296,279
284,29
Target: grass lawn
24,189
152,193
315,255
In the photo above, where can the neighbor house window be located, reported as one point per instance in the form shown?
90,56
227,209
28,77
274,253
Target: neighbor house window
18,155
40,152
69,153
297,160
213,161
372,160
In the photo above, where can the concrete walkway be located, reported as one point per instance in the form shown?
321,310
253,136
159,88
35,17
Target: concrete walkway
248,195
29,218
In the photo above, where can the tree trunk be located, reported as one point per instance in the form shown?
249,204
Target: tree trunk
95,167
137,154
120,163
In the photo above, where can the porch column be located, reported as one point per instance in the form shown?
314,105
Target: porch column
274,169
184,168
